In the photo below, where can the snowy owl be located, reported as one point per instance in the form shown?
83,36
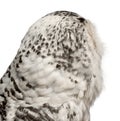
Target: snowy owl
56,74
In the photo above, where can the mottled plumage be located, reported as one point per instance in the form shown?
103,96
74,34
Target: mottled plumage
56,74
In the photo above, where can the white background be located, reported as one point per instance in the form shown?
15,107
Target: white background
17,16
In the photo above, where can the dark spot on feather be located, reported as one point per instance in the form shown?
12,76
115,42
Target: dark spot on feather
1,81
28,85
15,85
23,78
17,65
20,59
58,66
82,20
76,82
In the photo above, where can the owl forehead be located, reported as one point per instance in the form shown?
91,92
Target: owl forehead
58,27
59,34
